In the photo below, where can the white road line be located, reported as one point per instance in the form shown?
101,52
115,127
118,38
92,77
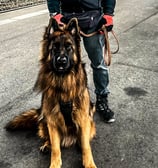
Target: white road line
14,19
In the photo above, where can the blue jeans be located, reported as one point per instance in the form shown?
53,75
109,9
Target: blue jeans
94,48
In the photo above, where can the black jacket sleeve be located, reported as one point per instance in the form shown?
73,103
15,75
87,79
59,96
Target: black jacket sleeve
108,6
53,6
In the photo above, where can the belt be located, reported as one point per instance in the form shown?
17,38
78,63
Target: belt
76,9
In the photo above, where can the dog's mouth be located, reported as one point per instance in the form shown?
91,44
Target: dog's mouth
61,64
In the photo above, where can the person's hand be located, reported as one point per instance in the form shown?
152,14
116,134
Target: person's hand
58,17
109,22
106,20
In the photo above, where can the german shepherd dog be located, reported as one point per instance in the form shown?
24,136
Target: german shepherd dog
66,113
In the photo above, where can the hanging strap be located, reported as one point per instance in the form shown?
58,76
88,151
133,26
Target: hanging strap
107,51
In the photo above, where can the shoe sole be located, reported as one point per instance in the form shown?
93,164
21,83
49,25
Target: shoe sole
111,120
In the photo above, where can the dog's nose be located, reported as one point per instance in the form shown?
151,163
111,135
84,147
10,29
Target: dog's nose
62,60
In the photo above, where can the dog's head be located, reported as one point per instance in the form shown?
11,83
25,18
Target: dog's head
61,46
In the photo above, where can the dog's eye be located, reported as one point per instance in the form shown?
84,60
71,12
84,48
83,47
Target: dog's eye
56,46
68,46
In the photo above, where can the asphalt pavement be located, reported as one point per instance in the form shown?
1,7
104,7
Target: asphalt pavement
130,142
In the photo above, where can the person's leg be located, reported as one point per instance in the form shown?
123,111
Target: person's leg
94,47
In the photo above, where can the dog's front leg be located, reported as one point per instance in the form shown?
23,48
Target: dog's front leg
55,146
88,161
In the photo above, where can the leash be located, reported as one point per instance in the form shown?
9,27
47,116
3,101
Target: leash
107,51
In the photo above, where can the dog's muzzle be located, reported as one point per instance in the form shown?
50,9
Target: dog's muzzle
61,63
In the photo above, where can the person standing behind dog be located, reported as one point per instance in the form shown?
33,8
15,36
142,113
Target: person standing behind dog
91,15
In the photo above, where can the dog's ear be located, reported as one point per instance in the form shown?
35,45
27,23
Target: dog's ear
73,27
52,27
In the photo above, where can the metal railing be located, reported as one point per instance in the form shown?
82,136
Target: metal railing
8,5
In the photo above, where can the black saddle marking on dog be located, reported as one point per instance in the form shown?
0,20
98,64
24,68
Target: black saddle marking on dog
66,110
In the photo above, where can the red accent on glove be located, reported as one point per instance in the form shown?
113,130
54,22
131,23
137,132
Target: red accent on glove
109,20
58,18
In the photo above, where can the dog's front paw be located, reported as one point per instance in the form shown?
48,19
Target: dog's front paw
89,163
91,166
54,166
56,163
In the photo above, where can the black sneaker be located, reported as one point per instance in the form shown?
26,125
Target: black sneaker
103,109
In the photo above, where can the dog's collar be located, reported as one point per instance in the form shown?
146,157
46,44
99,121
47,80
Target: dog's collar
66,110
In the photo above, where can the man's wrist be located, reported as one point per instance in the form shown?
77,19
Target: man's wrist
53,14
